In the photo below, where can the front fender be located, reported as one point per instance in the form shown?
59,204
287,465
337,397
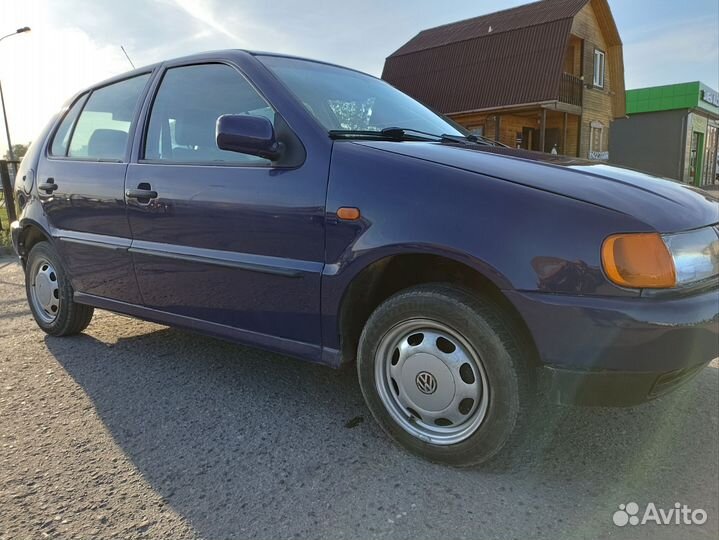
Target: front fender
355,262
338,278
518,237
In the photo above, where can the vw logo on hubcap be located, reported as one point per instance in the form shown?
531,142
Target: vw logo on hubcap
426,383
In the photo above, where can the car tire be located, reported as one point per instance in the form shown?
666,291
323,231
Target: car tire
471,349
50,294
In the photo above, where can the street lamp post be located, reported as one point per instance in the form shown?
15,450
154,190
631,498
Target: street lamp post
2,98
7,128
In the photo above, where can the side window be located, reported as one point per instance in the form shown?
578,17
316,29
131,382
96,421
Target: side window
104,124
598,68
61,140
188,103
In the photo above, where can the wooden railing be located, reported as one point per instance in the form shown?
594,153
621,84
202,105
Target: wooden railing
570,90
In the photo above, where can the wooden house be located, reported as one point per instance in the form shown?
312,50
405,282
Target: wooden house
544,76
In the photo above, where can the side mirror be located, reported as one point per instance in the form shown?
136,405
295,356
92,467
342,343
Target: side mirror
252,135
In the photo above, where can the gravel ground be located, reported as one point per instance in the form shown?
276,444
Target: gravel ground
135,430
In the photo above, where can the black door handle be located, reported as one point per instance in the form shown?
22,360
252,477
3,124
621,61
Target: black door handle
140,194
49,186
143,193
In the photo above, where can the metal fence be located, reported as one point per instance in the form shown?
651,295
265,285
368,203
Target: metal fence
8,211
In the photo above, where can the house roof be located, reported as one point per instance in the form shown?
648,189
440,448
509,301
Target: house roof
541,12
510,57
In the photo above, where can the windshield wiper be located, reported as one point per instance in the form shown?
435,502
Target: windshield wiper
392,134
491,142
410,134
444,137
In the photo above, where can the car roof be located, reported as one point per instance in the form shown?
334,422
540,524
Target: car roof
206,55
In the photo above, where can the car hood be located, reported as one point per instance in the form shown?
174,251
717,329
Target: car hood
665,205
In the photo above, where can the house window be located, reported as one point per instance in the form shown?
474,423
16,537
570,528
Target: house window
597,141
598,68
476,130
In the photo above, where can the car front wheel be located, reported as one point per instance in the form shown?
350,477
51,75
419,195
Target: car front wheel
444,372
50,294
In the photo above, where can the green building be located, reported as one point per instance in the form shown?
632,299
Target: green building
670,131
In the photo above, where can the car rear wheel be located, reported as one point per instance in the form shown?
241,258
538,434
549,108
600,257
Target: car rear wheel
50,294
444,372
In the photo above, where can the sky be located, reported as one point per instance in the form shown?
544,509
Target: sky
75,43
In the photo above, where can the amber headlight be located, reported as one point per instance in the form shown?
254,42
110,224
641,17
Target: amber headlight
654,261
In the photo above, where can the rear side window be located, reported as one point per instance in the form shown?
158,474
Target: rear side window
188,103
62,136
102,130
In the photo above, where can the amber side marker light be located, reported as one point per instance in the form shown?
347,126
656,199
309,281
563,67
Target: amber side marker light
640,261
349,213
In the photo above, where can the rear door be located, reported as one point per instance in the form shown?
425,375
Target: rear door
225,238
81,186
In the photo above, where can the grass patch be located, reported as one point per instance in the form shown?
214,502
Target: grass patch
5,240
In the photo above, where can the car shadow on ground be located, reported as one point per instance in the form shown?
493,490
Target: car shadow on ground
245,443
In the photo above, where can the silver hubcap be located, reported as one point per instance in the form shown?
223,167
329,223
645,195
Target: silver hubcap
44,290
431,381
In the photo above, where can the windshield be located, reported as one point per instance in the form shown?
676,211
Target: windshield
345,100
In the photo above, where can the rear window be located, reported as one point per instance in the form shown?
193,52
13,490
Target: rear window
61,141
103,128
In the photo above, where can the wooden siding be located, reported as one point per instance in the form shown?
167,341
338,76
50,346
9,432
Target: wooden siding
513,62
589,31
600,105
615,54
573,58
512,124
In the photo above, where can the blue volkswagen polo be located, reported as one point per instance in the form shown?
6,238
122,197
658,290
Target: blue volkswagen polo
316,211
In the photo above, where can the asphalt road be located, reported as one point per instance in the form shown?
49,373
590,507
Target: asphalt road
135,430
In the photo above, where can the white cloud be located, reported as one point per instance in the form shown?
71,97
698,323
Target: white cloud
238,23
41,69
202,11
671,54
75,43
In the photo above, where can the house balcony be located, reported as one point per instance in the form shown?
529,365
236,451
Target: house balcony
570,90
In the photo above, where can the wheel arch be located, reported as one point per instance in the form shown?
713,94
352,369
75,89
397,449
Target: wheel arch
389,273
30,234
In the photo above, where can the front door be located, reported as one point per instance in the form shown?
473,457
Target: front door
553,140
696,157
81,186
222,237
529,138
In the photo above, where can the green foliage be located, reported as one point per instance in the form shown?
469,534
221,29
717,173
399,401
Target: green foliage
19,150
5,240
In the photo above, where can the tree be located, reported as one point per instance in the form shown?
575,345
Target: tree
19,150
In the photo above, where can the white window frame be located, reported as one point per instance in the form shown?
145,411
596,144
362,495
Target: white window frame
596,139
476,130
599,67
